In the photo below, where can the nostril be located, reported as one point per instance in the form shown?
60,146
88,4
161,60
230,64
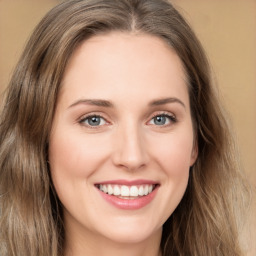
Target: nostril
132,161
129,147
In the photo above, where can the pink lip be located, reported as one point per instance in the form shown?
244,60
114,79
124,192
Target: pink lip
129,204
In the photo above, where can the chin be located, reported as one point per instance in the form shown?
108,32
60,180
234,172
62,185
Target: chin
131,233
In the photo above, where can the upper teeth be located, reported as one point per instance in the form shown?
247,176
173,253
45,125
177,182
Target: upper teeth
126,191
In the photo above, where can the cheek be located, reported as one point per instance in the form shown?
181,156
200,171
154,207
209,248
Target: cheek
175,162
75,156
174,153
73,160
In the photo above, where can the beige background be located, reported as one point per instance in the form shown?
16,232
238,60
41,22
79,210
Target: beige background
226,28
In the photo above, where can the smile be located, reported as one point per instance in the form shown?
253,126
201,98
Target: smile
126,192
128,195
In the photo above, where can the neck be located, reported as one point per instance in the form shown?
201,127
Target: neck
112,250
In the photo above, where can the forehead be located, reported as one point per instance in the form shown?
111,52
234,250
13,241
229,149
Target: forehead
120,62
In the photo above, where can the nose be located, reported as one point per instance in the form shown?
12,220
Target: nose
130,151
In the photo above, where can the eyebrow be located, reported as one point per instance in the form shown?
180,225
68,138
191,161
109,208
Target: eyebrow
93,102
108,104
166,101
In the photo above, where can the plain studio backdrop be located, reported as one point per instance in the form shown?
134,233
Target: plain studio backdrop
227,30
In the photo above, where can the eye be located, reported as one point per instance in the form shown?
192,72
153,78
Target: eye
93,121
162,120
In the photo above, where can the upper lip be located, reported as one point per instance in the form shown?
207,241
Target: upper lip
128,182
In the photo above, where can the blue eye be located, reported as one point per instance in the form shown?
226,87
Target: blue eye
93,120
161,120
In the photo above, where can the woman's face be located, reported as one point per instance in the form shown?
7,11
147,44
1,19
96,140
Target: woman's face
122,143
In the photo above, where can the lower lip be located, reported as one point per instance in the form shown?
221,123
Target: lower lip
129,204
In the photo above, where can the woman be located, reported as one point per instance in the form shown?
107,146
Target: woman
113,141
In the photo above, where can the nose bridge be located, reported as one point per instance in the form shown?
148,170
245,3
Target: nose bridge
130,149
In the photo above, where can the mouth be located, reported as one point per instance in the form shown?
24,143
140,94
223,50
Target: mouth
127,191
128,195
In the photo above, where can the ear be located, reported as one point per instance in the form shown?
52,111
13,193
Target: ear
194,153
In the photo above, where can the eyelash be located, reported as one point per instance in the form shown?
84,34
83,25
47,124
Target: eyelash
172,119
86,118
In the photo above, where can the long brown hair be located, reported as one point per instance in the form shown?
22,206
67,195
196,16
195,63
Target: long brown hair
206,220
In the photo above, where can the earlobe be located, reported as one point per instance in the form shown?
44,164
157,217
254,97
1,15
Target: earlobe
194,154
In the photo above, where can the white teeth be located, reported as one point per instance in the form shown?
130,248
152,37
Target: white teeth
105,190
110,190
134,191
116,190
146,190
126,191
141,191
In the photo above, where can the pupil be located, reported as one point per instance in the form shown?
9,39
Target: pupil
94,121
160,120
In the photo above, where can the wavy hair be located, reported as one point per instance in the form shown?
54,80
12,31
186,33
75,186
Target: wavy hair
207,219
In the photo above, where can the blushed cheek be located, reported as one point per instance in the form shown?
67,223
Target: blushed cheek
76,157
175,157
